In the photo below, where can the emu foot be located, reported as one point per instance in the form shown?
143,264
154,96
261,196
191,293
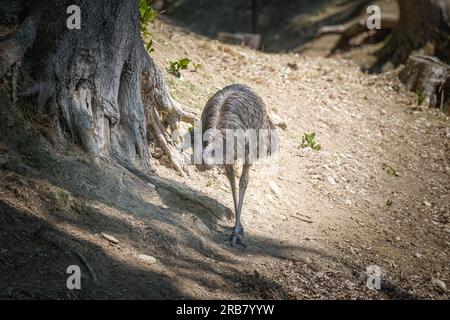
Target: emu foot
237,237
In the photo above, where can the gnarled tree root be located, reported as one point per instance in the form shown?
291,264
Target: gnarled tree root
154,95
105,123
354,28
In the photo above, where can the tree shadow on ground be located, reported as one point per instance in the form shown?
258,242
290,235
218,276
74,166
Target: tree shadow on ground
45,250
283,25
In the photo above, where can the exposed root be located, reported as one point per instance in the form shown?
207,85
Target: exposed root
15,74
394,53
87,266
184,112
353,28
163,142
155,96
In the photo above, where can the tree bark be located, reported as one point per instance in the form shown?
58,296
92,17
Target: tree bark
422,23
429,78
99,82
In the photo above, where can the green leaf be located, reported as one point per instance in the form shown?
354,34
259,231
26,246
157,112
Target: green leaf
184,63
196,66
309,140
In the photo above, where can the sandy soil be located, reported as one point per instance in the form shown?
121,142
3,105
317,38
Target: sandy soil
376,194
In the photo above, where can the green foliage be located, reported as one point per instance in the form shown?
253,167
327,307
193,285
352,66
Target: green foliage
147,15
196,66
62,199
177,66
149,46
391,171
420,98
309,140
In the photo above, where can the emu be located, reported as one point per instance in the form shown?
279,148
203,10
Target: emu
239,110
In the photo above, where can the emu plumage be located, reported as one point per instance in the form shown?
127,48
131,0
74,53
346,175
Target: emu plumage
237,108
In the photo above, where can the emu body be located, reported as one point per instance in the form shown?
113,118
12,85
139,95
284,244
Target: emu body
236,108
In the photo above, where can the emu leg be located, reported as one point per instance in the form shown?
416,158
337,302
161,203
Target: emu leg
230,175
238,232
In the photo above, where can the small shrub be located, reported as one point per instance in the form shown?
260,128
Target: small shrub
147,15
177,66
391,171
420,98
62,200
309,140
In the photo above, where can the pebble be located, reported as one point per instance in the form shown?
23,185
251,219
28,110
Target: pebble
439,284
110,238
278,121
331,180
147,259
274,188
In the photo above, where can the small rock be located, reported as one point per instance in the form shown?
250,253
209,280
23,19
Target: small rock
439,284
331,180
274,188
278,121
109,238
157,153
250,40
418,255
147,259
426,203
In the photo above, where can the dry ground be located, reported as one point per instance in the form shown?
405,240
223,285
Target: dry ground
377,193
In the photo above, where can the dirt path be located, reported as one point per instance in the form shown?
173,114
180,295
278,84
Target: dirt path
376,194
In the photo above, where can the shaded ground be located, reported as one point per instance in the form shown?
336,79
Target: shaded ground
287,26
376,194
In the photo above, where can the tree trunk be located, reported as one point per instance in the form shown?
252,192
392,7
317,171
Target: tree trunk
99,82
254,16
422,23
429,78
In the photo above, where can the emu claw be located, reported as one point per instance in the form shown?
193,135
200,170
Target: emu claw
237,238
